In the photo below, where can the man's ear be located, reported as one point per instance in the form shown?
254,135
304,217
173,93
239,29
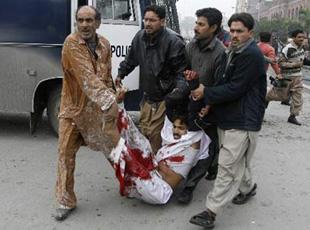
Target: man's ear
213,28
98,22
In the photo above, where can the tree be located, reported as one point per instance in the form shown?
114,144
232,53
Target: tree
280,26
304,18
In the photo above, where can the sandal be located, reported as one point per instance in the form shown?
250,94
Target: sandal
242,198
203,219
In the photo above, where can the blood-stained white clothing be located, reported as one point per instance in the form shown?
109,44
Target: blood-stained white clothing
178,153
135,165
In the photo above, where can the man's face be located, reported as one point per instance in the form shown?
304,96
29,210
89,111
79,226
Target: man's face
239,33
299,39
86,23
203,30
152,23
179,129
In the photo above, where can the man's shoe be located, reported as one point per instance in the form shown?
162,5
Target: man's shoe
210,176
242,198
285,103
204,219
62,213
292,119
186,196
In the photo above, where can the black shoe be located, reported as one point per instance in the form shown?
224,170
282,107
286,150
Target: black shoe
63,213
285,103
243,198
210,176
204,219
186,196
292,119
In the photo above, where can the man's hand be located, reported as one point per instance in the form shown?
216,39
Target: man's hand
198,93
118,82
204,111
279,76
190,75
120,94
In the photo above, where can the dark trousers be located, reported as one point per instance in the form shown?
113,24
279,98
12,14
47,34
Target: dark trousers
205,165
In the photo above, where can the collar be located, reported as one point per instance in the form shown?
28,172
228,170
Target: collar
206,44
156,37
82,41
239,49
295,45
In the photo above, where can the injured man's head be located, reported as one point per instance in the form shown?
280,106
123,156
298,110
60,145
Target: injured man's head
180,124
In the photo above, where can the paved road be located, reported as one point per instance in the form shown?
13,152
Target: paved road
28,169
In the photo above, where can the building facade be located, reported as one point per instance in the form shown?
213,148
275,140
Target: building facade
272,9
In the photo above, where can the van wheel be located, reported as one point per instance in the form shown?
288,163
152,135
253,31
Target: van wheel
53,106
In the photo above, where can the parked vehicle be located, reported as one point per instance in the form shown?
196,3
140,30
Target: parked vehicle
31,36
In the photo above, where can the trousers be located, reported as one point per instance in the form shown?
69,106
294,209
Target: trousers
234,172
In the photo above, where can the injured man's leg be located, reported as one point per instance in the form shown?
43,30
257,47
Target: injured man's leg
149,177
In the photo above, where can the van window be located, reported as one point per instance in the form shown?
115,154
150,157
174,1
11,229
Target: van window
116,9
38,21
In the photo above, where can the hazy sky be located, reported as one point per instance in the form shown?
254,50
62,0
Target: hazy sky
189,7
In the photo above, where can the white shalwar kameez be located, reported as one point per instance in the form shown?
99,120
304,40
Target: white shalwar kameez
135,165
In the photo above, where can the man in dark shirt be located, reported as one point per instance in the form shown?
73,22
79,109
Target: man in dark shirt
238,99
204,54
160,54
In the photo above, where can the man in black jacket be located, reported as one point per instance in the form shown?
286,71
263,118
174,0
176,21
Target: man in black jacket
160,54
238,99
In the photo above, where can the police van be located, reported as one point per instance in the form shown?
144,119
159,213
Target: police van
31,36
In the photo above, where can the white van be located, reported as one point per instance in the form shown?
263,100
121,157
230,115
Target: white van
31,37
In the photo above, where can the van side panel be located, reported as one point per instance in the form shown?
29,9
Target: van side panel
31,37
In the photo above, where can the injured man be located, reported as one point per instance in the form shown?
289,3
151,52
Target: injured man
150,177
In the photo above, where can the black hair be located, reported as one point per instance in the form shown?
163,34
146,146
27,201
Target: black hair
183,117
213,15
294,33
159,10
265,36
97,13
246,19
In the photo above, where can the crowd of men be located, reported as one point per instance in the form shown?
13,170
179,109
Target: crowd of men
206,88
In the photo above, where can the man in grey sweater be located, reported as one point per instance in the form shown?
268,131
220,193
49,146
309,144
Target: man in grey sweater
203,58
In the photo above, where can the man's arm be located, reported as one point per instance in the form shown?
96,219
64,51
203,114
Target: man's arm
168,175
241,80
271,55
129,63
188,56
178,64
177,58
75,61
285,64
